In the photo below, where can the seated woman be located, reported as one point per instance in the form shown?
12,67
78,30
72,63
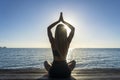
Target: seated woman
60,45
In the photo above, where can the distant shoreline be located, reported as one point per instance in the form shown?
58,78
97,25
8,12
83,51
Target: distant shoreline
70,48
3,47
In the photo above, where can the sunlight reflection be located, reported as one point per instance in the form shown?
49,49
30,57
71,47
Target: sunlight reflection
70,55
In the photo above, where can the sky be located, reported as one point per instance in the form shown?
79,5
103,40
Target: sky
23,23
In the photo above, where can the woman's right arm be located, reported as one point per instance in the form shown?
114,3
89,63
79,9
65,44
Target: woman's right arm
51,39
72,31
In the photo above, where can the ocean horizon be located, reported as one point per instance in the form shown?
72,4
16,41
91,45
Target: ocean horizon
86,58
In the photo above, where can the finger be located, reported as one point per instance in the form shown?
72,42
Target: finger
61,16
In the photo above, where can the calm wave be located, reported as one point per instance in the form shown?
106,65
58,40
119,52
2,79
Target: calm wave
11,58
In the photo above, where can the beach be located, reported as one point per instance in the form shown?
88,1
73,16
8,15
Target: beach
77,74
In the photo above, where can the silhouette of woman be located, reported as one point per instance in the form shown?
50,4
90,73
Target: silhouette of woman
60,45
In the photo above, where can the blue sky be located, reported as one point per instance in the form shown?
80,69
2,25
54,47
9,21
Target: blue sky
23,23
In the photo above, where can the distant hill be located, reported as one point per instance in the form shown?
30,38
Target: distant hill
3,47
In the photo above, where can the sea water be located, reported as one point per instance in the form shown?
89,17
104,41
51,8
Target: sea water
86,58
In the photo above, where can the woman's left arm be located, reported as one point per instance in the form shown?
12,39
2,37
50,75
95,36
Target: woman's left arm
51,39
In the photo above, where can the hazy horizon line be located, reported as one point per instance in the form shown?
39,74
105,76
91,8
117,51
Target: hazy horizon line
69,48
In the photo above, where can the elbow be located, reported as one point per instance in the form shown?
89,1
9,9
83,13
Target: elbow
73,29
48,29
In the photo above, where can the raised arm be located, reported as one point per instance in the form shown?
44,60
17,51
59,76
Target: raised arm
70,26
72,31
51,26
51,39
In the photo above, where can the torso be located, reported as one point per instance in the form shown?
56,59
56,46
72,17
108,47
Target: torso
59,55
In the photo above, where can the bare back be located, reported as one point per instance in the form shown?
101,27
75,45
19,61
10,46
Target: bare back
60,44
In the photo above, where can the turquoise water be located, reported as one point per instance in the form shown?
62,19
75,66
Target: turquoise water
12,58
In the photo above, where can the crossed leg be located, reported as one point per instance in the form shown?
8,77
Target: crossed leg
71,65
47,65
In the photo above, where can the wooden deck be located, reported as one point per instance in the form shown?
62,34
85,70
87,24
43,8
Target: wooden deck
77,74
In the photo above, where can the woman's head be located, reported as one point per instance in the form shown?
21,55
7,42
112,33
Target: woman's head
60,32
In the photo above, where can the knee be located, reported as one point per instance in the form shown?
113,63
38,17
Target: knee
73,62
45,62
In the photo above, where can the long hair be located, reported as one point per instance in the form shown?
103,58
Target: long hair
61,37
